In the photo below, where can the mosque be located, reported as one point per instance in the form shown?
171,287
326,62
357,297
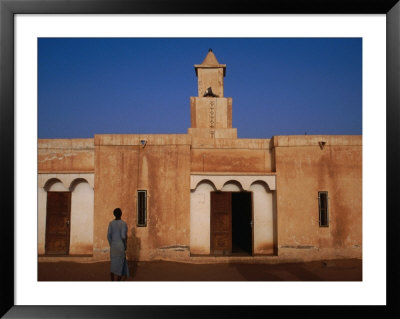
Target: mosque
206,194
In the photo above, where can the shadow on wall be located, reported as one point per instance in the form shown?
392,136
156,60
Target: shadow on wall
133,251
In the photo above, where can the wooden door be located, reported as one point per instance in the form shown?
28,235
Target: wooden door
221,223
58,223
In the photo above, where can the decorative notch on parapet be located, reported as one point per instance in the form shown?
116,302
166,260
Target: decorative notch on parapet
322,144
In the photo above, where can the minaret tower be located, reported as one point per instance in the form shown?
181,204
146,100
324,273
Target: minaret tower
211,112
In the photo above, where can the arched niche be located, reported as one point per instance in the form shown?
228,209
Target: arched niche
204,182
262,184
54,185
76,182
66,179
244,180
232,186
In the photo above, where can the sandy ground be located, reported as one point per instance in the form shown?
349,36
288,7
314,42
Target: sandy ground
333,270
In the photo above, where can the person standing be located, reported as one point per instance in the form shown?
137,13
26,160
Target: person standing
117,238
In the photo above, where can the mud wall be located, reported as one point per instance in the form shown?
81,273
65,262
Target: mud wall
162,167
231,155
65,155
304,166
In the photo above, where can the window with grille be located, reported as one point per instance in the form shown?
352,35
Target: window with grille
142,208
323,209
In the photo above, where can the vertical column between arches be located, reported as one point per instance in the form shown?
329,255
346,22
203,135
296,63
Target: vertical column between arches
200,218
82,209
264,217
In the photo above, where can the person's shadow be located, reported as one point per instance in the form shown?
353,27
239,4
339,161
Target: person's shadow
132,253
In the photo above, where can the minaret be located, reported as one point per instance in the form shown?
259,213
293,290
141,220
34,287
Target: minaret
211,112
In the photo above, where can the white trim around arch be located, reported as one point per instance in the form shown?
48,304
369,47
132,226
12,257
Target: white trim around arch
66,179
245,180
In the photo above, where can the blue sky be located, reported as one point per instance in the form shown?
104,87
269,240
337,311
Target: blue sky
279,86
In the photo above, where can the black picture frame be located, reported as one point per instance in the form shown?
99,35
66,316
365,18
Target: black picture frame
8,8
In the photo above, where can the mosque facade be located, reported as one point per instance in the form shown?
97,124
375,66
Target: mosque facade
204,194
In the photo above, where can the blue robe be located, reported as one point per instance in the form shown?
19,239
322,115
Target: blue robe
116,235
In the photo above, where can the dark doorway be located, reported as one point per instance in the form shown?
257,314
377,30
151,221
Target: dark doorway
231,223
58,214
242,229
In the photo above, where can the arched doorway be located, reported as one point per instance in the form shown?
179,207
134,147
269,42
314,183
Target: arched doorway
232,215
231,221
65,215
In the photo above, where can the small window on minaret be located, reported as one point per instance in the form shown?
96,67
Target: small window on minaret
323,209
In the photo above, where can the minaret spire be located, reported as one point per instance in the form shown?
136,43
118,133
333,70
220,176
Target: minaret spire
210,73
211,112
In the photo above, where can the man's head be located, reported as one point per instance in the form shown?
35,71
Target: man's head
117,213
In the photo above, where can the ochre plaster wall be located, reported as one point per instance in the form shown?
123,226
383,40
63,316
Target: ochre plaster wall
231,155
162,168
221,115
303,169
65,155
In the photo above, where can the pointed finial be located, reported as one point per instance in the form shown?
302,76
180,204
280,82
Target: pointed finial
210,61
